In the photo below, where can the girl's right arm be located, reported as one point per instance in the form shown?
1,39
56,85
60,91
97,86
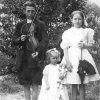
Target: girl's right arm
46,81
65,46
68,63
45,75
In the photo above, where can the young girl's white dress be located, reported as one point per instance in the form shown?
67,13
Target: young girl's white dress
71,38
52,93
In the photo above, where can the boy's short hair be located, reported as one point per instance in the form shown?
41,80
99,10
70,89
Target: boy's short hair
29,3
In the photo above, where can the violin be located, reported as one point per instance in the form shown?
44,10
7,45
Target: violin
28,29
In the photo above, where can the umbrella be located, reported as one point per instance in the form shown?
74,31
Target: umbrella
85,68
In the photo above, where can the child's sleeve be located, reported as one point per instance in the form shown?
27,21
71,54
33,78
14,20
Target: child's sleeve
65,41
46,70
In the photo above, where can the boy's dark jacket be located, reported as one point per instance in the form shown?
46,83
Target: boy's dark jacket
40,34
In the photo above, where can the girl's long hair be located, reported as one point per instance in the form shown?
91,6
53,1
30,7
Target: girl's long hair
82,15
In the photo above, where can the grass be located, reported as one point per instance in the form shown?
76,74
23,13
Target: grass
10,85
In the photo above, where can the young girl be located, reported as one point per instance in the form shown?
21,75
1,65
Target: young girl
74,40
50,81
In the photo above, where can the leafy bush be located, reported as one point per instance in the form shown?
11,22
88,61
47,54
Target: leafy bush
10,84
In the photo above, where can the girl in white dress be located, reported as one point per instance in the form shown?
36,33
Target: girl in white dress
73,40
50,81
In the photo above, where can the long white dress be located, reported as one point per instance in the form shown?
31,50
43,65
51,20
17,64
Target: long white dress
71,38
52,93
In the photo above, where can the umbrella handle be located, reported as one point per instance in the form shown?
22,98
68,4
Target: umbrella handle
81,53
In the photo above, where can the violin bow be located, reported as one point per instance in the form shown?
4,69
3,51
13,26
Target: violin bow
36,13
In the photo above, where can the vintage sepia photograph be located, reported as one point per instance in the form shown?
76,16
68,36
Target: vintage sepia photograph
49,49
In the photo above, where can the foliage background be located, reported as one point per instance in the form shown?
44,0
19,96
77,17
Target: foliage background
56,15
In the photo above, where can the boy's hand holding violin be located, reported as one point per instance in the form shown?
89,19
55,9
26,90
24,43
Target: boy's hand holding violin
23,37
